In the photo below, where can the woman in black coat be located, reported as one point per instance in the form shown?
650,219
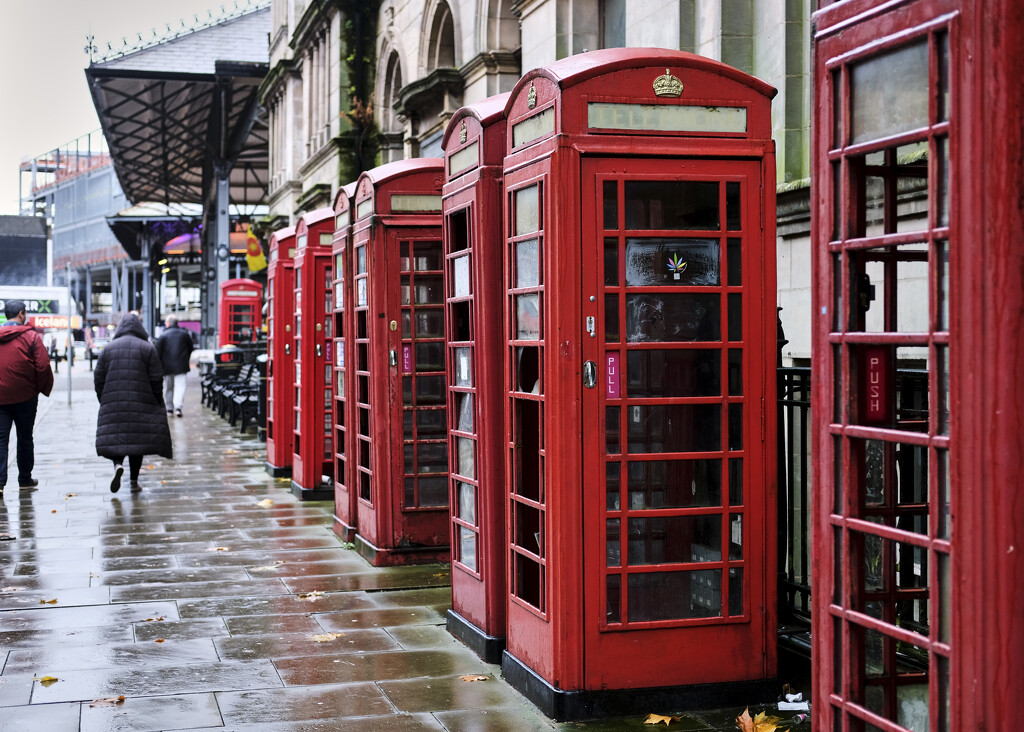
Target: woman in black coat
132,422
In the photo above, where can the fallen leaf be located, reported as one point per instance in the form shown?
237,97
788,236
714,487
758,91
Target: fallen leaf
760,723
159,640
107,701
310,596
150,620
70,495
219,549
660,719
267,567
150,467
46,680
265,503
54,511
48,602
324,637
472,677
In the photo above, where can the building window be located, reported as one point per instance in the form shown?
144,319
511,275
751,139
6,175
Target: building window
442,39
613,23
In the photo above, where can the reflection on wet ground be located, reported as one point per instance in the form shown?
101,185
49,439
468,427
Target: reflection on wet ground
185,599
206,610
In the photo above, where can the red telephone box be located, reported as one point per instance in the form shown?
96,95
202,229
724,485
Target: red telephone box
474,145
240,317
640,322
313,449
344,496
918,451
398,435
280,357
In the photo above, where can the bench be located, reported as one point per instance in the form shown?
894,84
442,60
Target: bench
216,387
242,400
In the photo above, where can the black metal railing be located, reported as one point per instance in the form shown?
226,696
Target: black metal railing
794,480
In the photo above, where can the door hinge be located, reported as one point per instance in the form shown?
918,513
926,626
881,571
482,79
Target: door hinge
762,207
764,418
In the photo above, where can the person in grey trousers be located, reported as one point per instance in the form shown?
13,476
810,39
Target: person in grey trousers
174,347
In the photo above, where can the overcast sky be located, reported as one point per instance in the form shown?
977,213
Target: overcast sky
43,93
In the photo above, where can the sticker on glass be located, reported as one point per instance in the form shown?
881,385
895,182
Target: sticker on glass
676,265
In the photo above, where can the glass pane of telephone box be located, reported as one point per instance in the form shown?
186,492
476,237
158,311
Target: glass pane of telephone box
660,261
671,204
674,595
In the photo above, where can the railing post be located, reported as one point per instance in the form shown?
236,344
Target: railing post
781,489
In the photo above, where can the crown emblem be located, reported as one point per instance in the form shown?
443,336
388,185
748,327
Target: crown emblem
462,132
667,85
531,97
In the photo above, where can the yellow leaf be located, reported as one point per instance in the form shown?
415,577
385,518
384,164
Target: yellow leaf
760,723
310,596
159,640
48,602
267,567
265,503
764,723
472,677
54,511
660,719
107,701
46,680
324,637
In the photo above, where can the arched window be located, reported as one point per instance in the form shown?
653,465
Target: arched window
392,85
441,48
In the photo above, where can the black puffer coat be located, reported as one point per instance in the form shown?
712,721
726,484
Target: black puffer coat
128,379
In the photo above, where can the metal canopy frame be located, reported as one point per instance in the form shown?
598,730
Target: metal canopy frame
184,127
168,132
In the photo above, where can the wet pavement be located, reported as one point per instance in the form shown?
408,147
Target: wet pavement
215,600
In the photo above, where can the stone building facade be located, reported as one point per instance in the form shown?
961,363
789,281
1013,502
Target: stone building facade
396,70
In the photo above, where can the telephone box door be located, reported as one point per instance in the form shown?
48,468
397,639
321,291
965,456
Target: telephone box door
313,456
420,500
676,348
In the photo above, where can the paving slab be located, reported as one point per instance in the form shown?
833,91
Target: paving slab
209,610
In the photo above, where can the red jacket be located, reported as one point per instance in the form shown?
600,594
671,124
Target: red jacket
24,365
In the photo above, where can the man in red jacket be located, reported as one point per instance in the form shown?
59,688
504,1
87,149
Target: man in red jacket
24,375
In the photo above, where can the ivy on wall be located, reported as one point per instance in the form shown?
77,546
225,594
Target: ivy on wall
359,144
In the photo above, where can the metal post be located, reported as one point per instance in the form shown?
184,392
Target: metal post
147,284
222,233
71,341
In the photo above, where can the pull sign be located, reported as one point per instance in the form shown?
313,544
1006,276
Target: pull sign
612,375
330,351
591,326
589,374
406,359
877,384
